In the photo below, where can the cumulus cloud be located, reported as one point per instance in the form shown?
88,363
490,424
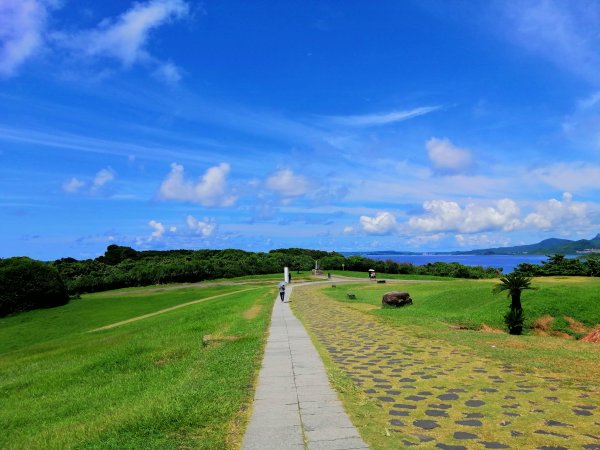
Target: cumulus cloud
210,190
574,176
447,157
383,223
348,230
450,216
204,227
103,177
555,213
368,120
159,229
73,185
288,184
22,23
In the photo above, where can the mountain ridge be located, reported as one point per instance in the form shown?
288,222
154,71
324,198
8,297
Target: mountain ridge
544,247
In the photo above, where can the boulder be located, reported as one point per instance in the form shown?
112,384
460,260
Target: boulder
396,299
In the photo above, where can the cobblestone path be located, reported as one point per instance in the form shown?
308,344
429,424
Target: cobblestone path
431,394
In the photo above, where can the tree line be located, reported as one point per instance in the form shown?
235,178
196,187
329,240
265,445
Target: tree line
28,284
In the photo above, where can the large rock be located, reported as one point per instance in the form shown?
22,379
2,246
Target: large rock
396,299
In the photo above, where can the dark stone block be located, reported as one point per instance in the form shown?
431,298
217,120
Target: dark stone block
403,406
581,412
463,435
426,424
396,423
448,397
436,413
441,406
551,433
450,447
469,423
386,399
555,423
494,445
473,415
394,412
474,403
415,398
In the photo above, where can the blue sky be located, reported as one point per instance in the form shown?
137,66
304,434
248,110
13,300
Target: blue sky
426,125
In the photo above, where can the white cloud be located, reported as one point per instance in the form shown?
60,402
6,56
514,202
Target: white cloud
73,185
450,216
126,38
288,184
561,214
480,240
348,230
210,190
204,227
425,239
367,120
383,223
159,229
102,177
169,73
22,23
562,32
445,156
573,176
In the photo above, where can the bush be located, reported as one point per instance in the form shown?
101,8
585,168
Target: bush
27,284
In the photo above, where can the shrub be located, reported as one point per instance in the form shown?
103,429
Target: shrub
514,320
27,284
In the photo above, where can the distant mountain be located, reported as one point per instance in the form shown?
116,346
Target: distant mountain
545,247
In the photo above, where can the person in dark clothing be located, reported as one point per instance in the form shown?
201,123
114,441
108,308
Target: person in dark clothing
282,291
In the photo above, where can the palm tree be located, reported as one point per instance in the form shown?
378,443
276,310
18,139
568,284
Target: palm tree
514,283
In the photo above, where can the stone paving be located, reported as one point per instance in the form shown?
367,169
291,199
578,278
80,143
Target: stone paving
294,405
435,395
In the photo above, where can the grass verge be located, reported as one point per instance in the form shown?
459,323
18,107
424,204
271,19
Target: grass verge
153,383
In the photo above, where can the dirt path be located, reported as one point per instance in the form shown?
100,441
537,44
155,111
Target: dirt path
431,394
162,311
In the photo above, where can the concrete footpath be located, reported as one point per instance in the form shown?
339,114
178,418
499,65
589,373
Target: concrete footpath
294,406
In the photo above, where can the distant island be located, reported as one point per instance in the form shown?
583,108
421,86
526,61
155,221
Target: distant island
545,247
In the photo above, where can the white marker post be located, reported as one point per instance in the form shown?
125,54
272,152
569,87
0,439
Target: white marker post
286,274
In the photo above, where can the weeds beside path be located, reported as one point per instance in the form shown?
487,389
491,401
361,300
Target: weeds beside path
402,389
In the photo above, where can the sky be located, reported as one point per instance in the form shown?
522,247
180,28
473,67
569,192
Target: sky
348,126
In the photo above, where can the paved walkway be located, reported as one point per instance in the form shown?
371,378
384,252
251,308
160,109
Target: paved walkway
294,406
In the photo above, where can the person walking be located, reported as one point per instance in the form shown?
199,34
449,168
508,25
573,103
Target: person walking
282,291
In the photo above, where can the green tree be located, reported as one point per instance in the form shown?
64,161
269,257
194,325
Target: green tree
514,284
28,284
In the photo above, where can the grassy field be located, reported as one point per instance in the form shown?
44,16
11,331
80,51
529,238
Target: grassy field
385,276
399,370
471,303
181,379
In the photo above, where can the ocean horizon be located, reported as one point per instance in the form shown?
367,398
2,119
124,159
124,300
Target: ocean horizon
507,263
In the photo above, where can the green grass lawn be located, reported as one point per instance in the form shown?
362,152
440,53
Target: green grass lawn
471,303
152,383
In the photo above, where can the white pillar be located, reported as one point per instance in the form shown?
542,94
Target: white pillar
286,274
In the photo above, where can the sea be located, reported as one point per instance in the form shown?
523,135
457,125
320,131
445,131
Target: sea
507,263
